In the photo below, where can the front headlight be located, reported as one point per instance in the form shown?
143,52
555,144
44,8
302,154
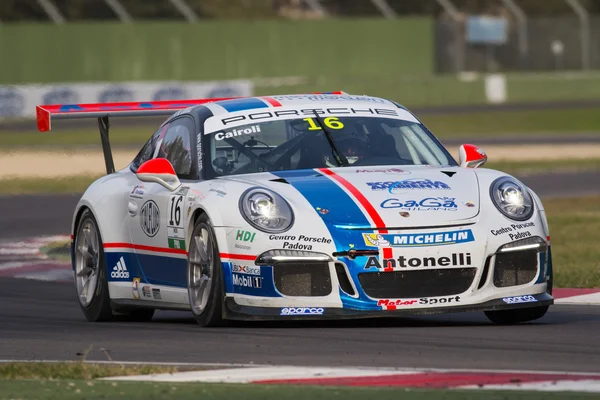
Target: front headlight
266,210
511,198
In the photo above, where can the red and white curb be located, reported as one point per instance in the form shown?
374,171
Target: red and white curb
23,259
381,377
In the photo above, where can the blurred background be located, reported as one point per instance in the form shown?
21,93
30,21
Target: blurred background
521,78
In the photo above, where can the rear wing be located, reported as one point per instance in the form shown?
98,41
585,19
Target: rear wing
46,113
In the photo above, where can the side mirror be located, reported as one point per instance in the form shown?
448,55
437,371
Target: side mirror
161,171
471,156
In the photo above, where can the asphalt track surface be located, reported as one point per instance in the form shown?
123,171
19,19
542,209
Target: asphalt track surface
42,320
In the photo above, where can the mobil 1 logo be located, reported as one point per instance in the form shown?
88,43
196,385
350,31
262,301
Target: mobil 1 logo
247,281
175,231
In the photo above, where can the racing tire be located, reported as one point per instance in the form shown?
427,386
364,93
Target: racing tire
205,275
516,316
90,270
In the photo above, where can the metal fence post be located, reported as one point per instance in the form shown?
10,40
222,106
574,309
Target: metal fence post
185,10
384,8
52,11
119,10
584,18
523,34
459,40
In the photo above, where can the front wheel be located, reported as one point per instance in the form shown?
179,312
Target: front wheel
205,275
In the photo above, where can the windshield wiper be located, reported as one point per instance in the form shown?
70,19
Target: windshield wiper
340,159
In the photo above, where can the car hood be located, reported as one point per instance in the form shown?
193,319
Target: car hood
403,196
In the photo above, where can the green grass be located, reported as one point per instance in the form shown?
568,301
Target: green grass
521,168
75,370
574,227
472,125
77,389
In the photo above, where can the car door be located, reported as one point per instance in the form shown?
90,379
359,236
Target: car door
157,226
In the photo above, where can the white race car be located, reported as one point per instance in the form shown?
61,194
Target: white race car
310,206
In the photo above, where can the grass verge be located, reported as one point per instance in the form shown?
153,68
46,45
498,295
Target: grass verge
567,121
75,370
520,168
574,225
78,389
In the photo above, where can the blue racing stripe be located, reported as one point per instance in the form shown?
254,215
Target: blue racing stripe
242,104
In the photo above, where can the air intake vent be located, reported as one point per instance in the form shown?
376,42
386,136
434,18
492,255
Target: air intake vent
342,275
516,268
302,279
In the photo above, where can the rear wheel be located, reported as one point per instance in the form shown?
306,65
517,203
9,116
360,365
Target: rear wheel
205,275
90,276
90,271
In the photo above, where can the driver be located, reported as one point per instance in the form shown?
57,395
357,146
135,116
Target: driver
350,141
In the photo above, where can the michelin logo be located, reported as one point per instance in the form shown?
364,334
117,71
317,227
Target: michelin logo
120,270
302,311
418,239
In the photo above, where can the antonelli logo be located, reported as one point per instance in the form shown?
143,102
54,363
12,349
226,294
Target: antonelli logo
150,218
455,260
418,239
120,270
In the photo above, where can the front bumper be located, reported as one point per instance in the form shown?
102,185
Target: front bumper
239,312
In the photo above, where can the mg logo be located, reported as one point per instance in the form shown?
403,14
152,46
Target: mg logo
150,218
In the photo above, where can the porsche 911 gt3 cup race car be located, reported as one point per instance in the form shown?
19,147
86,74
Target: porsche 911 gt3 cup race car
309,206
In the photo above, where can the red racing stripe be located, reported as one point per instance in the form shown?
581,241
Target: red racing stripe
359,197
271,101
144,247
237,256
387,251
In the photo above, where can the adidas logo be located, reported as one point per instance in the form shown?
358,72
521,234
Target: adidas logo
120,270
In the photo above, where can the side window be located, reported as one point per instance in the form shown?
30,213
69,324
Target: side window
147,151
175,146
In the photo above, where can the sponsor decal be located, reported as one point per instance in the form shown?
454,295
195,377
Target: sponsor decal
408,184
238,132
426,204
322,211
382,170
245,269
115,94
454,260
302,311
241,247
300,242
176,243
136,288
120,270
150,218
469,204
137,192
219,191
388,304
247,281
514,231
265,115
146,291
418,239
519,299
156,294
12,102
245,236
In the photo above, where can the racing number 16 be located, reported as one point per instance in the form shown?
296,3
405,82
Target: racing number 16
175,210
330,122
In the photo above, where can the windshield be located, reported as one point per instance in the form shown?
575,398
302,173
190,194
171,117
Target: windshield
321,142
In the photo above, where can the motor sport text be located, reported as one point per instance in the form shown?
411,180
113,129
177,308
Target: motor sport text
306,112
455,259
418,239
291,241
423,301
302,311
513,229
